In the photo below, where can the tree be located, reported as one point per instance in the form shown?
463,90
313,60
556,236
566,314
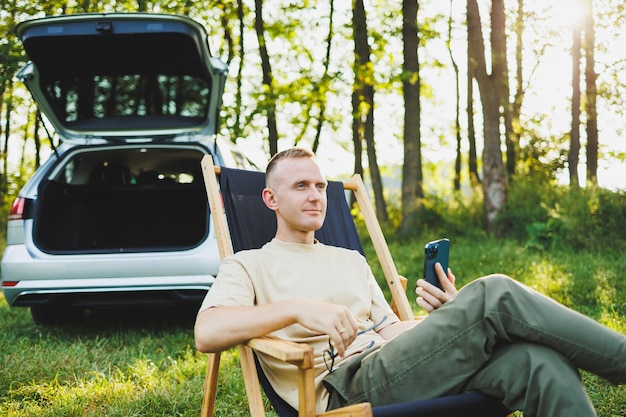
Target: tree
7,134
36,139
489,84
412,176
232,14
325,78
591,93
11,58
471,130
268,79
574,147
457,106
363,104
514,131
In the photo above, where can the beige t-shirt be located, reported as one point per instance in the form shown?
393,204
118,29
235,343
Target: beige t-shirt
281,271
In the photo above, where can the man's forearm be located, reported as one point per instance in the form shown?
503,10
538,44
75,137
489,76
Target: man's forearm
391,331
220,328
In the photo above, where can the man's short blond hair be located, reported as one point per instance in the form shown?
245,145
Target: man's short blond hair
295,152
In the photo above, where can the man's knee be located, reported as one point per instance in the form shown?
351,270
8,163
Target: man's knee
545,370
496,280
492,284
496,285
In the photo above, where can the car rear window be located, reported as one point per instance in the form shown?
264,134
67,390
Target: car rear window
116,81
129,100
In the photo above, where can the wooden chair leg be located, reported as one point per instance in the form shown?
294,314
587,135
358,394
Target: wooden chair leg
210,385
251,381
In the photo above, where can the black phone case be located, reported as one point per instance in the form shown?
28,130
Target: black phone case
435,251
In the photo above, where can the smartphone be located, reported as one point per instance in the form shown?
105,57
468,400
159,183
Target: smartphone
436,251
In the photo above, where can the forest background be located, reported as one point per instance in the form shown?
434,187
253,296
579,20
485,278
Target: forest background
472,117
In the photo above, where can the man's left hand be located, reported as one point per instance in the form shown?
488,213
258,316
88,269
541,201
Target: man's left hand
429,297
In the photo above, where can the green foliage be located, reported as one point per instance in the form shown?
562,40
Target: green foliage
591,218
539,213
527,208
458,215
547,216
541,157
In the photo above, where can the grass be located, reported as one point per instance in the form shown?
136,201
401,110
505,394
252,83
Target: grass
136,364
97,368
127,363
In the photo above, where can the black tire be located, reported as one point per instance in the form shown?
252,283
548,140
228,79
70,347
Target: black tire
54,315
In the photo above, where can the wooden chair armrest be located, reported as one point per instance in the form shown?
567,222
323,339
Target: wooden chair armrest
301,355
298,354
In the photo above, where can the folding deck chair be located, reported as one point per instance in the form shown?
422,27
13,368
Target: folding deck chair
250,224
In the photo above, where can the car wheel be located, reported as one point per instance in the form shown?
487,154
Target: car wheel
50,316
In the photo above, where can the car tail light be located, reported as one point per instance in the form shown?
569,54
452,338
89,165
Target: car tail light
17,209
9,283
21,209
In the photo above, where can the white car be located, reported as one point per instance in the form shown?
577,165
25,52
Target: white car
118,215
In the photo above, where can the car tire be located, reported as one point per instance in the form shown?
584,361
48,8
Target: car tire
52,316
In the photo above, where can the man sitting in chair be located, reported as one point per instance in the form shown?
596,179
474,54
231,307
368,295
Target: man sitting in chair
495,335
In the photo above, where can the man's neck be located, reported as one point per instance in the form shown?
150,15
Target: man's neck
296,237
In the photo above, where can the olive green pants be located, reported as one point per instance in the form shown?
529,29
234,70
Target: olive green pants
498,337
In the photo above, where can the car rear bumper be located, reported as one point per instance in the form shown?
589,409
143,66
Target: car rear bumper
110,298
127,279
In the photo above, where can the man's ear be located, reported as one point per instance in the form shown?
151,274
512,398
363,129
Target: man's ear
269,198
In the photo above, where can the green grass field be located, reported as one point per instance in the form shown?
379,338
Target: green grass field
132,364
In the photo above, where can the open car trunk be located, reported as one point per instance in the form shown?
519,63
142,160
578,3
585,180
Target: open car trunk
120,74
126,199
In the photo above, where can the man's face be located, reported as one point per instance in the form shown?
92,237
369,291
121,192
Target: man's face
299,195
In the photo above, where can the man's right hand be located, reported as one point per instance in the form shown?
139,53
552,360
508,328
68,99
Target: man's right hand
332,319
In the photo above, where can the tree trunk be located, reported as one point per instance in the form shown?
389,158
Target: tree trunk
574,147
591,93
494,177
36,139
412,177
29,116
357,139
233,47
471,130
457,107
268,79
365,109
500,77
7,134
325,77
238,110
513,146
3,89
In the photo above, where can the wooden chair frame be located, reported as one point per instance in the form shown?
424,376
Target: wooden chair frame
300,355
